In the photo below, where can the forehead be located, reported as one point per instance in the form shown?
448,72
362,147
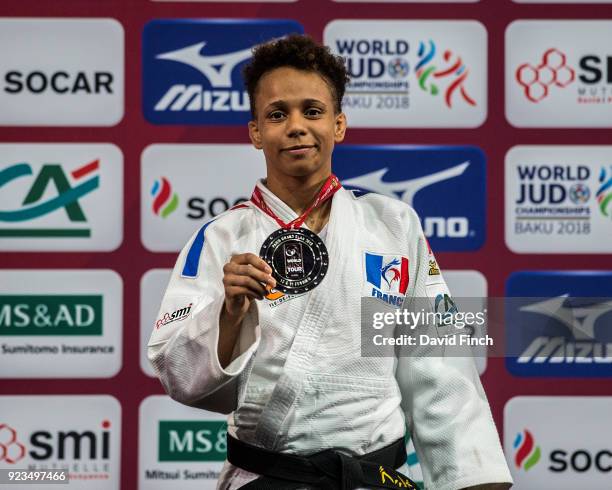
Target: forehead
290,84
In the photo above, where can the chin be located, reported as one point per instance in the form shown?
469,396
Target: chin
302,169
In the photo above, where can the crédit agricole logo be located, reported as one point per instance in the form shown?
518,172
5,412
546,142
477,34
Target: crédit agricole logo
54,188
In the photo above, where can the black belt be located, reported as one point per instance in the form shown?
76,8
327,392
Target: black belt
328,469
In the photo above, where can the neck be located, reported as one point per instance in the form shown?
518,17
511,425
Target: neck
298,192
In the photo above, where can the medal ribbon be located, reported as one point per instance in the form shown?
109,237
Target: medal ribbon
331,185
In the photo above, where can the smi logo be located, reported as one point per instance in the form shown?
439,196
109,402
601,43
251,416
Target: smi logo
165,201
453,74
44,446
54,189
526,453
11,450
405,190
592,74
552,71
176,316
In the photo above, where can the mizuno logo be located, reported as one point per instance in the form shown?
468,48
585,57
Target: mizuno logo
405,190
580,321
217,69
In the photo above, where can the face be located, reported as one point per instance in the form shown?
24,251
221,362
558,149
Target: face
295,124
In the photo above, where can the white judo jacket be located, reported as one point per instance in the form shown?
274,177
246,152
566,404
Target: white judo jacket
297,382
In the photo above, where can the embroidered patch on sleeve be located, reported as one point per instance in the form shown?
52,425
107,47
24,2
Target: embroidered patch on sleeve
386,277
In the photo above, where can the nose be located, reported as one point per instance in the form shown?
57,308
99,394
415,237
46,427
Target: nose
295,124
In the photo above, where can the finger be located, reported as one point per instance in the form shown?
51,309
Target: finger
258,275
234,292
238,267
254,260
250,283
246,282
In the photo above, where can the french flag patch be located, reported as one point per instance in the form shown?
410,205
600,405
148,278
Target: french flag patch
387,277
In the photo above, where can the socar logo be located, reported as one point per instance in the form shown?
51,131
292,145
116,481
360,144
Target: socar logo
526,454
165,201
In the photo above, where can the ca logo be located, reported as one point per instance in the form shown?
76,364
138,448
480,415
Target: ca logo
64,196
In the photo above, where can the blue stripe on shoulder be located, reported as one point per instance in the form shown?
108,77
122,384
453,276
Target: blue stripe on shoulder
190,269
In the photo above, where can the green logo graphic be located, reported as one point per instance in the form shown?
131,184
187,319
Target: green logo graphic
50,315
604,193
192,440
166,201
63,196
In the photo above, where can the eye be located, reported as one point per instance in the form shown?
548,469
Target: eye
276,115
313,112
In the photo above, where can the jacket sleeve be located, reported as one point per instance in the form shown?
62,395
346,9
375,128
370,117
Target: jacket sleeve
446,409
183,345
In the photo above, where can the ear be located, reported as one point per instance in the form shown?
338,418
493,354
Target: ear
255,135
340,128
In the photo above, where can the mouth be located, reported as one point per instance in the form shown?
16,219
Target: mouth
299,149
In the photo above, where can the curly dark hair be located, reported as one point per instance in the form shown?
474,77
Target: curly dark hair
301,52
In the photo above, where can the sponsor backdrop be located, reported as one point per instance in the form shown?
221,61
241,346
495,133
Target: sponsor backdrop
123,131
553,445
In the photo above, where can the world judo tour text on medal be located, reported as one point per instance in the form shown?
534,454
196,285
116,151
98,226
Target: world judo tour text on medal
413,319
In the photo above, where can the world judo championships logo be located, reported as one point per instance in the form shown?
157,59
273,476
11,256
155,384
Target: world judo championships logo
604,193
430,75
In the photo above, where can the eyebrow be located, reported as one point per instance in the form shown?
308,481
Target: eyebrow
281,104
313,101
276,104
